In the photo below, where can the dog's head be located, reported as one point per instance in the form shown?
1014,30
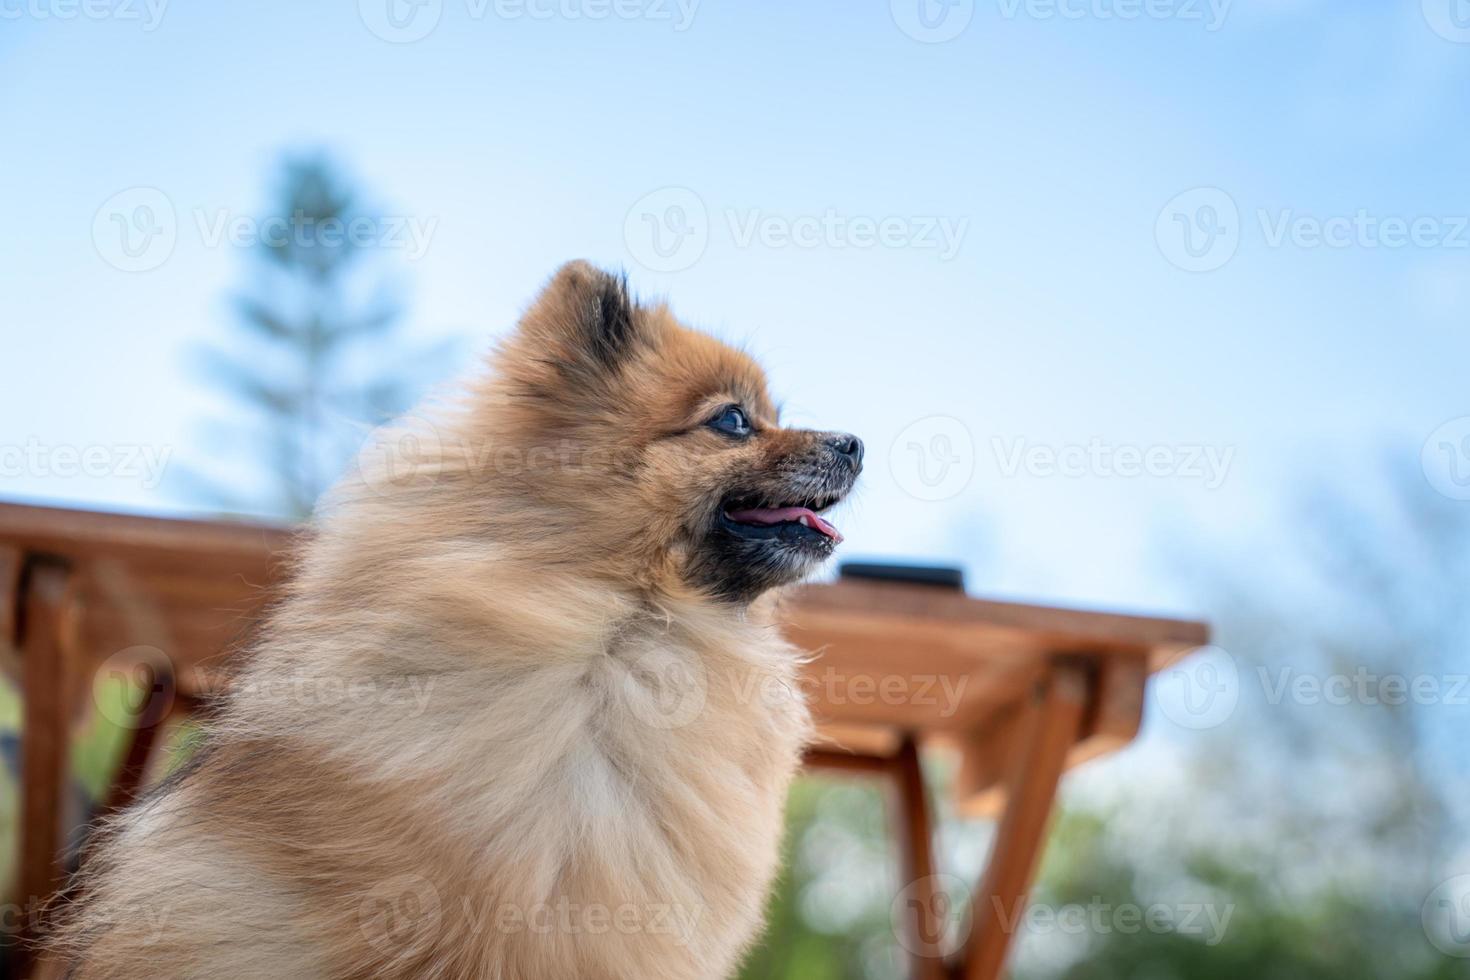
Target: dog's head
665,458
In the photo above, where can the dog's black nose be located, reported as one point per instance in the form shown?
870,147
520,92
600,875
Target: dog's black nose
849,446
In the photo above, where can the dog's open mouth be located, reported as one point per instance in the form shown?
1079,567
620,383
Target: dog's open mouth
796,521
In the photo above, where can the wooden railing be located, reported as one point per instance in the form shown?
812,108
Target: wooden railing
1019,692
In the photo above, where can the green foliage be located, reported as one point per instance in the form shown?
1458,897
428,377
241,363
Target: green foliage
829,914
1269,933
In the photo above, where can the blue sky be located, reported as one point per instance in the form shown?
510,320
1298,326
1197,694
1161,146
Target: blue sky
1052,139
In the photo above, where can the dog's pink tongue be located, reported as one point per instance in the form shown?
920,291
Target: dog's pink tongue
780,515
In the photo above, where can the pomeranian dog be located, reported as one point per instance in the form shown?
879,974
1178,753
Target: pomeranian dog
524,713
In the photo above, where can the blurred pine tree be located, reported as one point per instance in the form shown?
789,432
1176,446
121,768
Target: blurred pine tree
316,358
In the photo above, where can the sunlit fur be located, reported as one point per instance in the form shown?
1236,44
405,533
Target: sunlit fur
566,715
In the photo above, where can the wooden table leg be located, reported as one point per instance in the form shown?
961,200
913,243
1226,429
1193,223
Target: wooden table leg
1000,902
12,564
144,726
916,847
46,646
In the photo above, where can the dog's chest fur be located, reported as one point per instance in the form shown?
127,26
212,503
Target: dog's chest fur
619,814
570,786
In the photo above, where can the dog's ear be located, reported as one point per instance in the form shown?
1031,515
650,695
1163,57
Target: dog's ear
585,315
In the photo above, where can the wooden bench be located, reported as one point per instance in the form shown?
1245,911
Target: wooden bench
1018,692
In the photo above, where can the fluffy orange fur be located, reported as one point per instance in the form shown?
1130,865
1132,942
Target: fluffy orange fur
517,718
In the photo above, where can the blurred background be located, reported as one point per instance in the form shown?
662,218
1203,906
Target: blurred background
1138,304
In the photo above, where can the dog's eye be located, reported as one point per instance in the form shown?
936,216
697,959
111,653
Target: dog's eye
731,421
